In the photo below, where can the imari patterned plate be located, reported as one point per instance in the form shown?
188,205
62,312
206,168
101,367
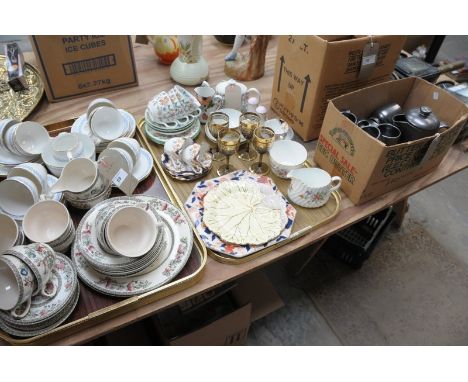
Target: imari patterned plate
138,284
45,309
195,208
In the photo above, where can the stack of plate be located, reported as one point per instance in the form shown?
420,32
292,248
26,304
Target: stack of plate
159,133
47,313
81,126
123,276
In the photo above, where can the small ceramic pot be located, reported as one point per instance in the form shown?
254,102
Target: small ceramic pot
130,145
17,194
9,232
166,48
286,156
40,259
35,172
236,95
311,187
131,231
107,123
17,284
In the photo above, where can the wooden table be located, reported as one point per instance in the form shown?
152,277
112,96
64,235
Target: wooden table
153,78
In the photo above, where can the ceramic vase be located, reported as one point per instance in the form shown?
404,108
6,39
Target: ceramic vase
190,68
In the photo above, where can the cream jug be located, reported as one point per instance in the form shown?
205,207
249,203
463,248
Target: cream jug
311,187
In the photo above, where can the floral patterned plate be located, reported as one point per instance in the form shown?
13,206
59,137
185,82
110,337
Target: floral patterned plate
161,138
47,309
88,244
138,284
195,208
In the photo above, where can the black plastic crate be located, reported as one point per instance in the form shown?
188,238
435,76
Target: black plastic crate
354,244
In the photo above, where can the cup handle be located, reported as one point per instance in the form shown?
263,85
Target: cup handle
49,294
217,101
336,186
254,90
21,311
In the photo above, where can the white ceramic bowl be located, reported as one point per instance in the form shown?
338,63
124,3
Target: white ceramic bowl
66,146
107,123
130,145
131,231
5,124
46,221
286,156
118,156
98,102
9,232
32,171
17,195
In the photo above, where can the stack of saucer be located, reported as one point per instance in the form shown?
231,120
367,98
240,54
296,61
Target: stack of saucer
65,147
20,142
50,301
172,114
130,245
103,123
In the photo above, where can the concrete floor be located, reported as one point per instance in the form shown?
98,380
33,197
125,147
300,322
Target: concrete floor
434,236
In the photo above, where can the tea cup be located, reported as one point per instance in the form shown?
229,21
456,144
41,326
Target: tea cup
27,138
131,231
6,124
107,123
311,187
9,232
97,103
48,221
66,146
130,145
161,109
17,194
32,171
286,156
40,259
17,284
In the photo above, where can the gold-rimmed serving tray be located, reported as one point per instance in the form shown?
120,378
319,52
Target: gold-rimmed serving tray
307,219
18,105
94,307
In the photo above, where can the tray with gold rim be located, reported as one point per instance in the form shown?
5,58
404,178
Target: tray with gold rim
18,105
306,219
94,307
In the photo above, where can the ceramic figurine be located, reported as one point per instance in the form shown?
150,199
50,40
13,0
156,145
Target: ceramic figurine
250,65
190,68
165,47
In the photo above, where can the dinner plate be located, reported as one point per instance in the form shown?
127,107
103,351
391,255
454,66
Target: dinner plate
194,206
161,139
138,284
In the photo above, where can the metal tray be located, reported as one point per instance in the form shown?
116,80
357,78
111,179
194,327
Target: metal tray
94,307
306,219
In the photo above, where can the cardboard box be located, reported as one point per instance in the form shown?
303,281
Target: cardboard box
73,66
310,70
219,318
367,167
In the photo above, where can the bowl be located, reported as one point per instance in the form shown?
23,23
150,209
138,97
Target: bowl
9,232
285,156
17,195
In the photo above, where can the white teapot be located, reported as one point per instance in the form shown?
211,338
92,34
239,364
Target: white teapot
236,94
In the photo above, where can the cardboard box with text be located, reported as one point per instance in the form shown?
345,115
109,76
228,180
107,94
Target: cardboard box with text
310,70
73,66
367,167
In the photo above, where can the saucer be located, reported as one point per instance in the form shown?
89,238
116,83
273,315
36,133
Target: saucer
143,165
87,152
161,139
